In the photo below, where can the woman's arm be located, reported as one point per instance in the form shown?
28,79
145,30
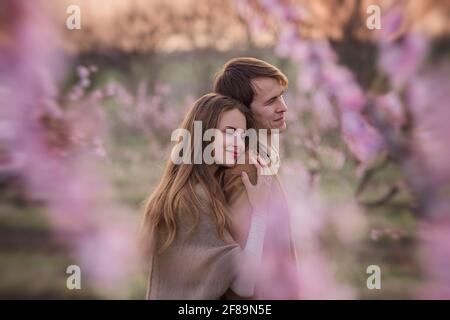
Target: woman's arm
250,258
244,283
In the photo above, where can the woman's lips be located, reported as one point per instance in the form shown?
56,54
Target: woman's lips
235,154
280,119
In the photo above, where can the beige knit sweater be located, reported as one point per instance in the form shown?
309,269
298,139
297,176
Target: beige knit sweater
198,266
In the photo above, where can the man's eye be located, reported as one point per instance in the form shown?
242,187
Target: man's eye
280,97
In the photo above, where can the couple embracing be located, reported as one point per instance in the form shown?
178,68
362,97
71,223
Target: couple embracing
220,229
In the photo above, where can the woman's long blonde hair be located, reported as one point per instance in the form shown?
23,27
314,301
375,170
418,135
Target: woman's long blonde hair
177,192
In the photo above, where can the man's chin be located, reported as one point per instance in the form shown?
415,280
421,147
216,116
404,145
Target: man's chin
282,127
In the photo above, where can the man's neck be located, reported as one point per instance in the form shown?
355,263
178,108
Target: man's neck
268,143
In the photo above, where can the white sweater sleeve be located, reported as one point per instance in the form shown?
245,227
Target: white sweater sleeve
250,257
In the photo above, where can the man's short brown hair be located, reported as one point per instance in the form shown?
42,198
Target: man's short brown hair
235,78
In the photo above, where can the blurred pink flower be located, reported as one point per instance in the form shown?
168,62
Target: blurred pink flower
391,109
351,97
375,234
361,138
392,21
402,59
435,236
324,111
429,95
108,252
55,146
84,83
288,42
83,72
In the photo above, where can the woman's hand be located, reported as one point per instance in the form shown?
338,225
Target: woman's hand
258,194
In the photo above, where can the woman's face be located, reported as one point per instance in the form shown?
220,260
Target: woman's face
232,124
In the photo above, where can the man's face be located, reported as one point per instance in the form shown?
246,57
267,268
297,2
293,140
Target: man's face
268,106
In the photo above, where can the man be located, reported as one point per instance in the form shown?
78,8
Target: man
260,86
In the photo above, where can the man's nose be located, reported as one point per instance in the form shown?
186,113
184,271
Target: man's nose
281,107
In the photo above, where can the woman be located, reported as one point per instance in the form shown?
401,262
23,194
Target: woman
186,223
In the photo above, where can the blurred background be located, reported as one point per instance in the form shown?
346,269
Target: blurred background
86,113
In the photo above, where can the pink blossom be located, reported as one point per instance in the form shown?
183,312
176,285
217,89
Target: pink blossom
52,146
361,138
84,83
83,72
324,110
391,108
391,21
435,236
401,60
351,97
